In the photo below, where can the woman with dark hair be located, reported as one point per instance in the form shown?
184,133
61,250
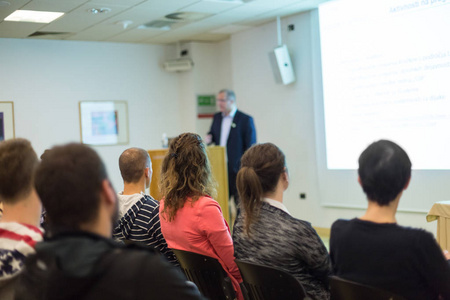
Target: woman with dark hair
191,219
265,233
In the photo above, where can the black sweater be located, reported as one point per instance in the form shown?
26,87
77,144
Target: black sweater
84,266
403,260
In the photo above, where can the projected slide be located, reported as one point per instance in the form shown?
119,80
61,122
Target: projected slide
386,75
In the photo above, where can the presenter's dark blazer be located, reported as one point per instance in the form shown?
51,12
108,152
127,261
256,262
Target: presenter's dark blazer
242,136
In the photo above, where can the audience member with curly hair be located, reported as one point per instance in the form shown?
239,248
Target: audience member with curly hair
191,219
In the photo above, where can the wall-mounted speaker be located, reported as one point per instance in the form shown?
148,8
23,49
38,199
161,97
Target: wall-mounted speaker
281,65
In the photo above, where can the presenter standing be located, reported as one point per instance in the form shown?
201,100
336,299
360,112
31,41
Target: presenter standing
233,130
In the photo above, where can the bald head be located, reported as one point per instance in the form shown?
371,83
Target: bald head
132,164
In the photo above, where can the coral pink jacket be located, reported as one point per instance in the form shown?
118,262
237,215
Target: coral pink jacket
199,227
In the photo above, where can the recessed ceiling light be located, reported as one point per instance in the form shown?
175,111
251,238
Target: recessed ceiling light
103,10
33,16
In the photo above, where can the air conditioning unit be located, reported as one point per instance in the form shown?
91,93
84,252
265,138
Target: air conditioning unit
178,65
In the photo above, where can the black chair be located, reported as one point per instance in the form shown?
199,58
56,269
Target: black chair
268,283
207,273
342,289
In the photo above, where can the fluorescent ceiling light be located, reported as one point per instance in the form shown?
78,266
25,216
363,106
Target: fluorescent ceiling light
33,16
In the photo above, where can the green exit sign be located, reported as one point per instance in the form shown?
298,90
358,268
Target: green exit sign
206,106
206,100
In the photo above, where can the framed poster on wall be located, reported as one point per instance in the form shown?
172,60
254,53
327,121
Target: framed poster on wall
104,122
6,120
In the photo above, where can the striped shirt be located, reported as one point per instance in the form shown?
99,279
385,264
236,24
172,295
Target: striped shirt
16,242
140,224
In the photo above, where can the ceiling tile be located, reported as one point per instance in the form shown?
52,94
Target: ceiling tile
165,39
80,18
161,40
14,5
229,29
152,10
18,29
209,37
275,3
211,7
243,12
48,5
254,22
98,32
187,30
291,9
227,18
306,5
119,2
134,35
169,6
138,15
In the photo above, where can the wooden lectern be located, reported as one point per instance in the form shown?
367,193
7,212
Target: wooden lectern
440,211
216,155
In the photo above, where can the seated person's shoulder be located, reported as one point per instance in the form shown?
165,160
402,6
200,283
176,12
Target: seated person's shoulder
133,254
149,268
206,201
149,200
134,260
410,237
341,224
420,236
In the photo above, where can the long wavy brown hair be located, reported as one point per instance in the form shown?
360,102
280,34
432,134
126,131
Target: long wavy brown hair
185,173
261,168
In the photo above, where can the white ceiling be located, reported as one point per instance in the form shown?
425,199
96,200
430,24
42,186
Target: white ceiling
223,17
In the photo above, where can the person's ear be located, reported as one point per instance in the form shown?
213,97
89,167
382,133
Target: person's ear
285,176
147,172
407,183
108,192
359,181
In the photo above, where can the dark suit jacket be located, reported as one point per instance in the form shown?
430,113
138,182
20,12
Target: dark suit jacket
242,136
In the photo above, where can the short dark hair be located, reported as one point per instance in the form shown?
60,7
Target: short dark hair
69,181
384,170
132,163
18,162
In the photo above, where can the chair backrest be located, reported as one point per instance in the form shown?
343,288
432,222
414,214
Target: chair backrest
342,289
207,273
268,283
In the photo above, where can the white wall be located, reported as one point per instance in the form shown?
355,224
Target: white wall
284,115
211,73
47,79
